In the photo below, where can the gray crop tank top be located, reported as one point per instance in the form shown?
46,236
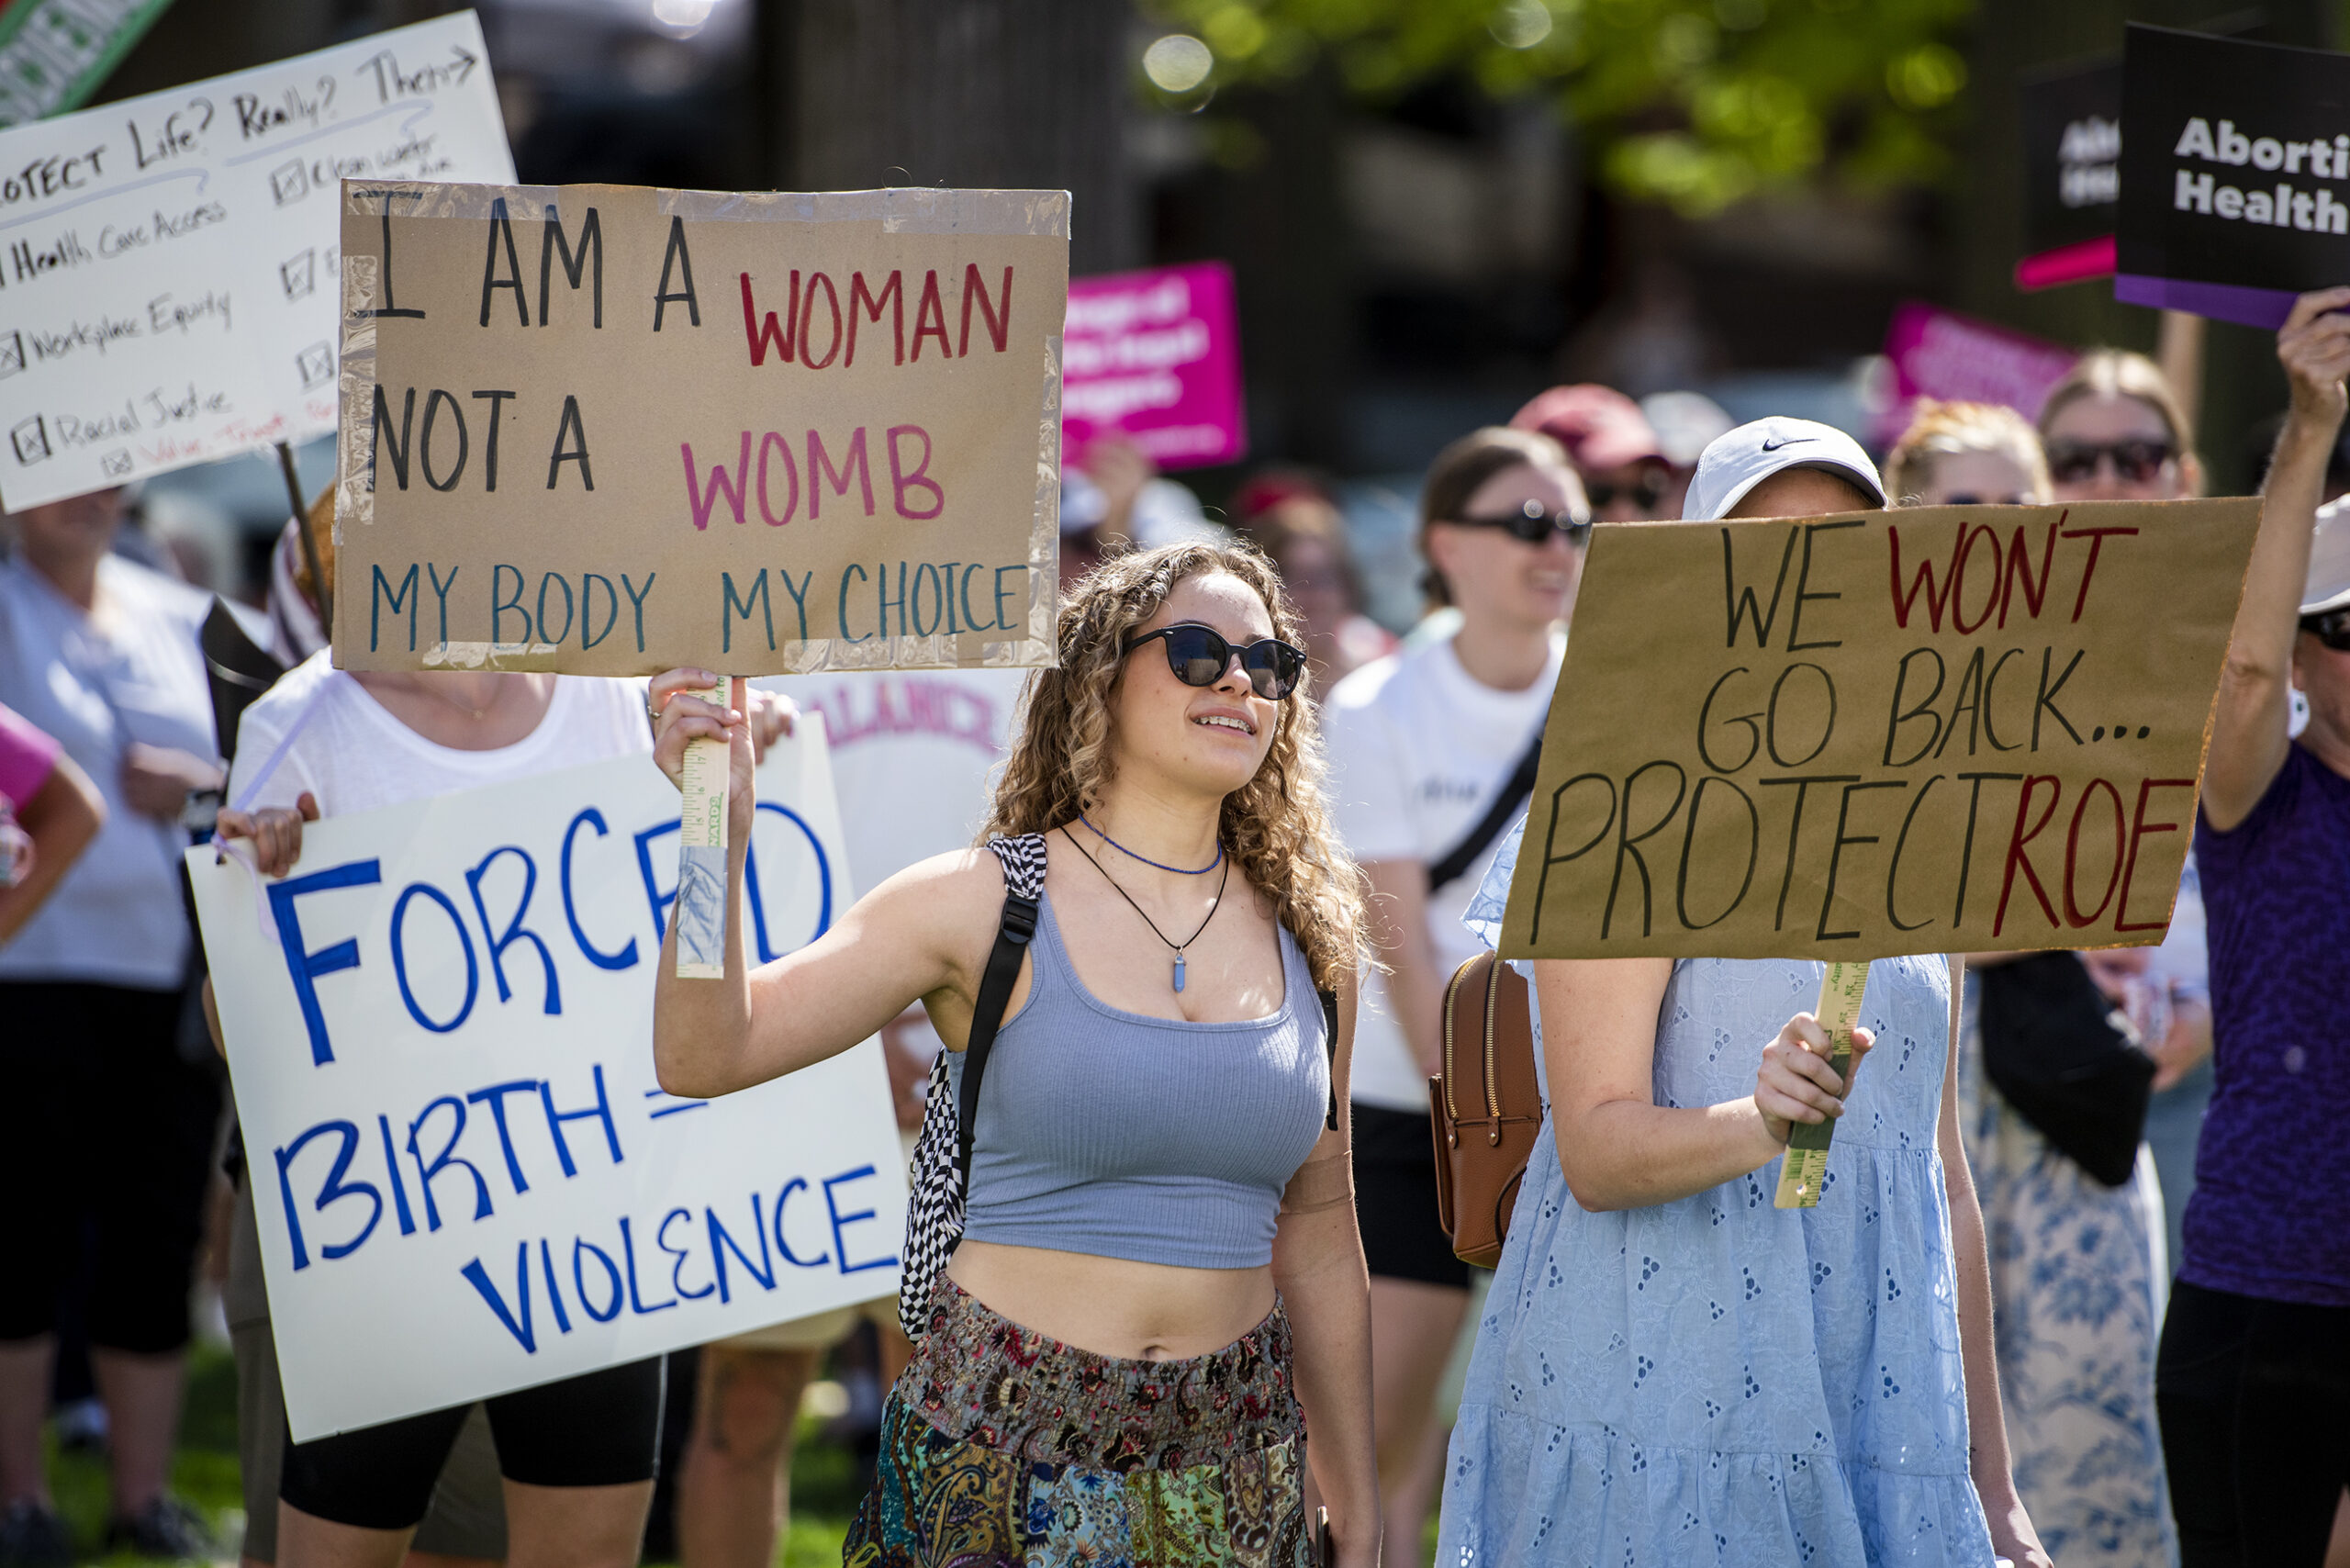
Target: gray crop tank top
1109,1133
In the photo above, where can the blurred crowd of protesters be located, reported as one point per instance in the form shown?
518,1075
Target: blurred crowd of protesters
2208,1320
103,1048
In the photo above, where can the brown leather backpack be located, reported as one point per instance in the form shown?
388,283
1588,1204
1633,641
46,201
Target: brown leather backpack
1486,1107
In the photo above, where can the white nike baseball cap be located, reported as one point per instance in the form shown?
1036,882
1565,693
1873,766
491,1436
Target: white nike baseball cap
2328,584
1735,462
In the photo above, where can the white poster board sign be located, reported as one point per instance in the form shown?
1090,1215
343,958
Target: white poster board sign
466,1177
915,749
169,264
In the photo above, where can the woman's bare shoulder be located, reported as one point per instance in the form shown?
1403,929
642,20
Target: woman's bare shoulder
948,905
953,888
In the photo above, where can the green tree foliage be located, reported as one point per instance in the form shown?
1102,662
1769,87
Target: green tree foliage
1695,103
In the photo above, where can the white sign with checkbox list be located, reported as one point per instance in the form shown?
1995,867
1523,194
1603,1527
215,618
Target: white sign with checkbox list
169,264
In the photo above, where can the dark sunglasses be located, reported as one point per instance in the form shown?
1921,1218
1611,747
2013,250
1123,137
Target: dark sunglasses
1969,499
1198,656
1643,492
1533,523
2332,628
2135,462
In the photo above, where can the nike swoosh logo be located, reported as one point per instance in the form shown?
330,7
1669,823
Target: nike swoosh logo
1791,440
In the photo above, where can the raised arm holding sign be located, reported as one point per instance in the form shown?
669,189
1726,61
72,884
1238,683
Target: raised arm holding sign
2264,1238
2249,720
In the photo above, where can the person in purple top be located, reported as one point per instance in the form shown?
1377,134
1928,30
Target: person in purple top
2252,1378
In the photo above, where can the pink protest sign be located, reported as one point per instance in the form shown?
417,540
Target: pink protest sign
1940,353
1155,356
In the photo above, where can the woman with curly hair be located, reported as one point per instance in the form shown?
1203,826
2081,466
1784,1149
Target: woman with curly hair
1160,1290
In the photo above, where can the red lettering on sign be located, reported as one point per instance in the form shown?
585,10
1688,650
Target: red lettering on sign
2139,828
2017,841
1968,535
2019,571
930,318
1922,582
2096,536
780,337
2072,850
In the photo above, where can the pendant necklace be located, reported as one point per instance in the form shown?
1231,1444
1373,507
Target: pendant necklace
1122,892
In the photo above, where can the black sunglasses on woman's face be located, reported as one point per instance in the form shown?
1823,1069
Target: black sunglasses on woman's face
1533,523
2134,461
2332,628
1643,492
1199,655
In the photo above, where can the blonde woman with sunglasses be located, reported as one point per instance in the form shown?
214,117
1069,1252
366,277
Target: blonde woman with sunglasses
2114,429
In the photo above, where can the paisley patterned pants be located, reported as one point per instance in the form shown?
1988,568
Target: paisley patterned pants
1001,1447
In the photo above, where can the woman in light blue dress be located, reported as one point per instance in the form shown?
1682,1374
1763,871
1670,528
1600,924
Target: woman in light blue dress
1670,1369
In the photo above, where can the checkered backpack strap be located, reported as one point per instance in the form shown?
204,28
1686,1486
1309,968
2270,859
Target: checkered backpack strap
942,1164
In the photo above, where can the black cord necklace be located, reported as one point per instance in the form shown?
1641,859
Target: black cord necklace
1122,892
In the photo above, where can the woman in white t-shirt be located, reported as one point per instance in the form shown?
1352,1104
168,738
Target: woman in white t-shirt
578,1455
101,655
1426,747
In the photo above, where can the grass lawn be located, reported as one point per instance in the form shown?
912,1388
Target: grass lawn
824,1478
205,1472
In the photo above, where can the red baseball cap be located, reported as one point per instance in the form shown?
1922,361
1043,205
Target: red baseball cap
1599,426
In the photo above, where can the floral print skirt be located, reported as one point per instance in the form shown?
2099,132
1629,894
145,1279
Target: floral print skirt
1002,1446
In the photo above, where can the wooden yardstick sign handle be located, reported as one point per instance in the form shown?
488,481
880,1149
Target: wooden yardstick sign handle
701,911
1806,1166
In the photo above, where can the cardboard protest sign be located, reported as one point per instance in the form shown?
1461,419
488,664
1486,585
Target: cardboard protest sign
2237,194
2071,119
1935,730
440,1031
168,263
1155,355
612,430
1940,353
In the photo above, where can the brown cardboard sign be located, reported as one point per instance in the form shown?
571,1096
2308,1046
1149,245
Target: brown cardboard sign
1944,729
610,431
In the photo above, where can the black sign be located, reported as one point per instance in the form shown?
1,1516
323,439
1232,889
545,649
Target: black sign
2072,152
2236,195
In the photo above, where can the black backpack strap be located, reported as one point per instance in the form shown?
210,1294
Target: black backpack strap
1330,1044
1023,887
1516,791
